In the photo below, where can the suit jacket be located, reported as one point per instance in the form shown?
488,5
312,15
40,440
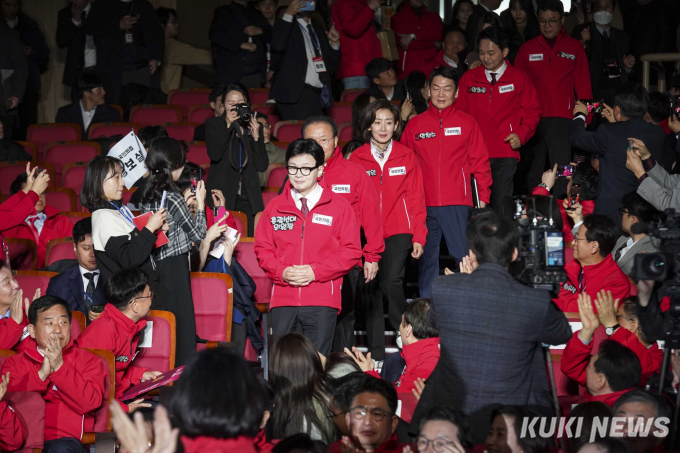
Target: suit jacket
595,51
626,262
71,114
12,58
69,286
491,328
398,95
661,189
71,37
472,23
610,142
30,35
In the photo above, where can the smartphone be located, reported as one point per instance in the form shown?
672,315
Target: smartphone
593,105
565,170
554,249
574,194
221,212
97,308
675,106
310,5
163,198
579,159
196,174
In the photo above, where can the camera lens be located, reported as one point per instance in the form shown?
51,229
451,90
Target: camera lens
653,267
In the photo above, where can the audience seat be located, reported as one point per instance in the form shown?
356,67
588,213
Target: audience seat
23,254
198,153
43,133
258,95
78,323
245,254
276,176
127,194
213,306
282,145
61,153
270,167
269,193
341,112
161,355
153,114
72,177
200,113
187,98
241,220
61,198
30,281
121,113
256,220
10,169
102,422
345,132
30,409
181,131
287,131
350,95
108,129
75,216
59,249
31,148
267,109
273,120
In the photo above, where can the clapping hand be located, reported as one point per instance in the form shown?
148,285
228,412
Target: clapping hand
16,309
588,317
418,387
364,362
133,435
606,308
53,352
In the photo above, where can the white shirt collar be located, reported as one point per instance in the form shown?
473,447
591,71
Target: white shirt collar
499,73
86,10
450,62
312,198
374,152
602,30
84,271
6,315
13,23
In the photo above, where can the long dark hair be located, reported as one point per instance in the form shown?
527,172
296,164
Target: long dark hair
165,155
92,192
456,9
488,18
297,376
358,106
532,29
415,82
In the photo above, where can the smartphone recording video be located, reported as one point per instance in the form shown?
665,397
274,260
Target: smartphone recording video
593,105
196,175
565,170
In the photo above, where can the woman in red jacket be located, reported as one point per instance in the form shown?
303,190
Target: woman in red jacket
397,178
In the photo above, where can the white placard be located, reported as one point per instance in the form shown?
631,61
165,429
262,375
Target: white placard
148,336
131,152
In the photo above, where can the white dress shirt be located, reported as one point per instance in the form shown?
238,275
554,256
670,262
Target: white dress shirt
450,62
6,315
12,23
312,198
376,156
39,222
499,73
90,49
83,271
629,244
87,116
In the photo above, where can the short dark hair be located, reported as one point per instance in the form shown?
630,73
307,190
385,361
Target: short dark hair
529,444
587,178
415,316
588,412
165,156
597,3
215,93
379,387
259,115
235,86
368,117
43,304
639,207
496,35
619,364
343,389
452,29
82,228
320,119
148,134
632,99
123,286
661,407
377,66
350,147
87,82
184,181
305,146
492,238
659,106
601,228
455,417
164,14
446,72
92,193
19,181
612,445
551,5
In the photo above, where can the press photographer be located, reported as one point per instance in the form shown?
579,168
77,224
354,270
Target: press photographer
655,185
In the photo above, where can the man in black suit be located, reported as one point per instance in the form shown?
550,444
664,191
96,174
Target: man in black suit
91,108
14,67
79,285
481,8
610,143
384,83
491,328
301,84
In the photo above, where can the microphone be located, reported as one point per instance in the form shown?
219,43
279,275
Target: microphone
639,228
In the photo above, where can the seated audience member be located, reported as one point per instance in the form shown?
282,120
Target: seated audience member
384,80
453,43
506,428
11,150
80,285
42,226
420,350
70,379
350,147
12,430
644,408
445,429
635,209
118,328
417,31
215,100
588,412
341,391
14,211
276,155
609,373
12,306
593,268
372,420
91,108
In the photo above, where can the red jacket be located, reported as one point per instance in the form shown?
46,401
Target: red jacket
606,275
10,332
650,358
202,444
450,147
429,65
115,332
567,222
56,226
399,188
71,393
556,73
12,431
421,357
327,240
509,107
358,40
427,28
390,446
15,210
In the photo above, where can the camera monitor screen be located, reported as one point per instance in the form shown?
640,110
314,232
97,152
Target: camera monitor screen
554,249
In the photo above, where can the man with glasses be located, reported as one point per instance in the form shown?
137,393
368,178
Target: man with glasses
117,329
557,65
276,155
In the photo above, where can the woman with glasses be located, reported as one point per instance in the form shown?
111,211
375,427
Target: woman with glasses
306,241
444,430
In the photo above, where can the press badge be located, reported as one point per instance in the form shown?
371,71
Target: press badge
322,219
506,88
536,57
397,171
340,188
129,38
452,131
319,65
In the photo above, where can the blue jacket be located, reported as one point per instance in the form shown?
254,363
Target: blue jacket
69,286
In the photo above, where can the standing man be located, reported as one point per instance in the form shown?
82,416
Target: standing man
417,30
14,67
558,66
508,116
450,148
90,107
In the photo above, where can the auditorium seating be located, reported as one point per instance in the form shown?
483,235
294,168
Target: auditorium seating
180,131
75,216
276,176
73,175
43,133
256,220
30,281
287,131
102,418
153,114
23,254
30,409
161,355
9,170
258,95
61,198
187,98
198,153
61,153
108,129
269,193
200,113
341,112
245,254
59,249
350,95
241,220
345,131
213,306
78,323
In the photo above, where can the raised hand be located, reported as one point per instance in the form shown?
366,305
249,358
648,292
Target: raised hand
419,386
218,198
588,317
16,309
606,308
364,362
53,352
3,385
333,35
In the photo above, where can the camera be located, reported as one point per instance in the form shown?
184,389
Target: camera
662,266
244,112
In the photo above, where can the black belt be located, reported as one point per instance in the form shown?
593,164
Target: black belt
313,88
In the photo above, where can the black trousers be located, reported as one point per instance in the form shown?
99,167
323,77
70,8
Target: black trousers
550,143
308,105
243,205
388,284
64,445
503,172
344,328
315,323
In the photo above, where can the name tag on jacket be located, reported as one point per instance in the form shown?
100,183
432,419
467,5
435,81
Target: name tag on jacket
340,188
536,57
322,219
506,88
397,171
452,131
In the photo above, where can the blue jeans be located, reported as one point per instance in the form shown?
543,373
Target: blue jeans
356,82
451,221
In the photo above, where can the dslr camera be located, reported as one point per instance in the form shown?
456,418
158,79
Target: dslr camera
244,112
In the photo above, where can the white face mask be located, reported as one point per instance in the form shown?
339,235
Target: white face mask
400,344
603,17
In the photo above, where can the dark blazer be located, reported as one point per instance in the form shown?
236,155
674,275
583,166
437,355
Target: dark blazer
12,57
69,286
30,35
472,23
491,328
610,142
398,95
71,114
595,50
288,43
72,38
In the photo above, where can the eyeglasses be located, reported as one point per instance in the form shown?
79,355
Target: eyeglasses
623,211
267,126
581,239
377,414
438,445
332,415
144,297
292,171
551,22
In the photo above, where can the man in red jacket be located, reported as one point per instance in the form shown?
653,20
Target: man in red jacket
22,204
70,380
416,29
557,65
450,149
117,329
453,42
42,226
508,116
307,242
12,431
13,320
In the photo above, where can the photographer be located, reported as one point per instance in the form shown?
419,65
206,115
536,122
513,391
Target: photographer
237,153
655,185
635,209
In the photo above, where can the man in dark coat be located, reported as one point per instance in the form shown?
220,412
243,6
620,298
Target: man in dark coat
13,75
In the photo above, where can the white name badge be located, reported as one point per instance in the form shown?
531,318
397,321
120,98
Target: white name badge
452,131
319,65
340,188
322,219
536,57
506,88
397,171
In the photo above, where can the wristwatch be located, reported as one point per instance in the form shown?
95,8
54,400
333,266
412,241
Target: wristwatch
610,330
413,36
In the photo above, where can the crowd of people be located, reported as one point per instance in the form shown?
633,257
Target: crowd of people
446,133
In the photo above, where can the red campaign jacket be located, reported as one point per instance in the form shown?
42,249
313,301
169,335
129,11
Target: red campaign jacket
115,332
509,107
605,275
262,444
567,222
390,446
427,28
429,65
328,240
16,209
421,357
450,147
399,188
203,444
12,431
358,39
71,393
556,73
56,226
650,358
10,332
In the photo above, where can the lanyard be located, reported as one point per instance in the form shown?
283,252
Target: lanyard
314,40
125,213
87,296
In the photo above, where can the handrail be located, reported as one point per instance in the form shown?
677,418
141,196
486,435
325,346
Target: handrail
654,58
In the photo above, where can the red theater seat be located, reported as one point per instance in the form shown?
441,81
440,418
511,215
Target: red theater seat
153,114
61,198
350,95
258,95
341,112
30,281
59,249
345,132
269,193
198,153
9,170
72,177
187,98
61,153
108,129
276,177
287,131
43,133
213,306
102,419
241,220
31,148
161,355
245,254
181,131
23,254
200,113
74,216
